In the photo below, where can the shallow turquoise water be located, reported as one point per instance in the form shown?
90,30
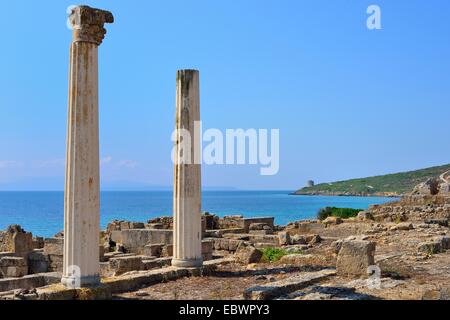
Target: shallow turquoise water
42,212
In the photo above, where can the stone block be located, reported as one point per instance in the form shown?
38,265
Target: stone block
313,239
210,221
262,245
13,267
113,226
354,257
260,226
284,238
157,226
54,246
226,244
332,221
167,250
265,239
364,216
260,232
435,245
153,250
307,227
298,239
302,259
237,236
38,262
38,242
294,249
116,236
29,281
222,232
166,222
56,263
227,222
285,286
248,254
137,225
207,249
16,240
403,226
135,240
122,265
124,225
23,243
269,221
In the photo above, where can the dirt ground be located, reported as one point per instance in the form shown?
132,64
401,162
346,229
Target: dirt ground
228,282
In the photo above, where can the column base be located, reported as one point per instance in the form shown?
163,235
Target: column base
80,282
187,263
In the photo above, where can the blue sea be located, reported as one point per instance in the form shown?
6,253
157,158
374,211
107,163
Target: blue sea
43,212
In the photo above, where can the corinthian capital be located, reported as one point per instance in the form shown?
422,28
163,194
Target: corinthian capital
88,24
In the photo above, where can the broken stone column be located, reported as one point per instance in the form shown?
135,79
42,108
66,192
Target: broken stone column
81,200
187,251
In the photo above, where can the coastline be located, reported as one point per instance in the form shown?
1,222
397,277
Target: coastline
345,194
36,207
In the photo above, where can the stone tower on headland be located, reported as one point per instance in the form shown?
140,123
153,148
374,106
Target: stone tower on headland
309,183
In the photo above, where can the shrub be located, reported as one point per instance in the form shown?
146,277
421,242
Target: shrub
324,213
343,213
273,254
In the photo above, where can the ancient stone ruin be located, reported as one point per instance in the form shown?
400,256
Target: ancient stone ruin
385,252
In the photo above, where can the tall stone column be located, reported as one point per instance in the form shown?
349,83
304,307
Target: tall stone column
82,190
187,251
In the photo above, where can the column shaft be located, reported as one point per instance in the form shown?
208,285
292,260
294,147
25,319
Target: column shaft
187,176
82,195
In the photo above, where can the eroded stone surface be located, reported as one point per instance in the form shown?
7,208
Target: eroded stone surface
355,256
87,24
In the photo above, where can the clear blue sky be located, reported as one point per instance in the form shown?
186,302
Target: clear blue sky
349,102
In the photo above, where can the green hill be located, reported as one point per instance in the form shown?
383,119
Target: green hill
387,185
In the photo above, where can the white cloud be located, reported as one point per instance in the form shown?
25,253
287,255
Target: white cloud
127,164
4,164
51,163
105,160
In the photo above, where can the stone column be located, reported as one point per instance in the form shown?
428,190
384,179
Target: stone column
82,190
187,250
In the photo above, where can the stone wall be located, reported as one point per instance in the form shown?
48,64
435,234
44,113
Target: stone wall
16,240
135,240
160,223
211,221
305,227
265,220
5,245
238,221
413,209
118,225
230,222
53,251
